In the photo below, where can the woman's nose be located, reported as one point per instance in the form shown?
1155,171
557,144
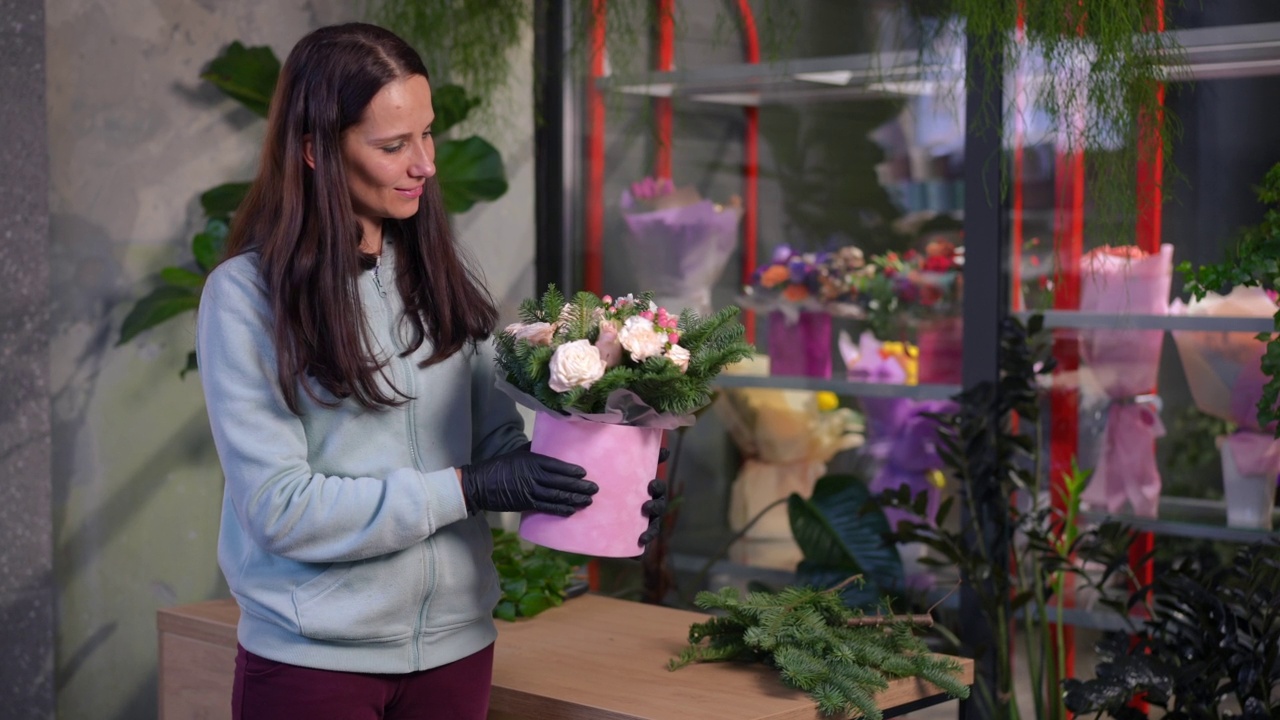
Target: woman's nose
422,164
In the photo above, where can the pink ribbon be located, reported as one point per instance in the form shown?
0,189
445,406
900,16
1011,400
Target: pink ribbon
1126,470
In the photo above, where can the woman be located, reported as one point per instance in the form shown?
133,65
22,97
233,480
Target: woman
344,353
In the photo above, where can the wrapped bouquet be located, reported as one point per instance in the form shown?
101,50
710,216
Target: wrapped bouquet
1121,366
605,377
679,242
927,287
786,438
1224,371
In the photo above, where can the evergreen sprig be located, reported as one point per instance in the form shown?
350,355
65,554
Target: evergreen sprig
713,343
1254,263
806,634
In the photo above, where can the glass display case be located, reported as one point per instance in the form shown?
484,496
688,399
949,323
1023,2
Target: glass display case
721,174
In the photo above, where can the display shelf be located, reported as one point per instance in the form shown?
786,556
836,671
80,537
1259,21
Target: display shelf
1070,319
1229,51
1190,518
839,387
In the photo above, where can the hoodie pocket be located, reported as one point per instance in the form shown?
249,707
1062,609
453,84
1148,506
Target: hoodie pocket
372,600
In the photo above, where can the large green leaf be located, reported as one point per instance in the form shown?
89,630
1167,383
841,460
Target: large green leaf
469,171
247,74
163,303
209,245
222,201
836,532
452,105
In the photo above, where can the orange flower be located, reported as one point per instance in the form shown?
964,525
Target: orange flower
796,293
773,276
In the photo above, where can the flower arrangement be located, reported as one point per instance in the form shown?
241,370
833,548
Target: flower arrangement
833,281
593,354
927,281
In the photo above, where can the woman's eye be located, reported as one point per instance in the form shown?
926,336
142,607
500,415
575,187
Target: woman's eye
392,148
426,135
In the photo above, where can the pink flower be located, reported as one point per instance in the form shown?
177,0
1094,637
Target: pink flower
679,356
647,315
640,339
608,344
673,338
533,333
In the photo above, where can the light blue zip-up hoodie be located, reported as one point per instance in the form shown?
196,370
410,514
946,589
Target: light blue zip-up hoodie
345,537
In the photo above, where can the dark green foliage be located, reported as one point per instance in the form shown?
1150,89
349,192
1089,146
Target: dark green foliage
839,536
993,464
1254,263
712,342
1210,649
807,636
533,578
247,74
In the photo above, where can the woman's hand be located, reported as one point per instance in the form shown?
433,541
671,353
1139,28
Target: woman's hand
522,480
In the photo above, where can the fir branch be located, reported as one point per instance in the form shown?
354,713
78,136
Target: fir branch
807,635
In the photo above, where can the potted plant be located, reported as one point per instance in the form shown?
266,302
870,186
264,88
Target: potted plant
1210,647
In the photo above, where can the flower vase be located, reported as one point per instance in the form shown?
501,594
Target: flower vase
1249,489
622,460
941,345
800,345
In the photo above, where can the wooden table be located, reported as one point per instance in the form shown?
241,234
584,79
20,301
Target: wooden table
594,657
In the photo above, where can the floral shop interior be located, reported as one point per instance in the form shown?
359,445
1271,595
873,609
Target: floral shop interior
942,334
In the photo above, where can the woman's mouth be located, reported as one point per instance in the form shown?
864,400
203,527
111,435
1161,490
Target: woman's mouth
411,193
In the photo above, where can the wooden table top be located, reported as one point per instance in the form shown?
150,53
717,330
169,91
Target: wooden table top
605,659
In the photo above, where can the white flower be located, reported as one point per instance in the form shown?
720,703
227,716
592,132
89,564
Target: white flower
575,364
539,333
608,345
679,356
641,339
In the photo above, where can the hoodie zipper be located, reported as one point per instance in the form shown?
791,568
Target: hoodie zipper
427,551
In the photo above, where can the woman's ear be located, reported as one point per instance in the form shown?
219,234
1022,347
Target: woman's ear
308,152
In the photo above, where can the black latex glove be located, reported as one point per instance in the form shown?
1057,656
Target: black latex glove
522,480
657,507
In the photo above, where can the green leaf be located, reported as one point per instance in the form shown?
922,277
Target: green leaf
191,366
505,611
222,201
452,105
247,74
534,603
162,304
209,245
182,277
515,587
469,171
833,531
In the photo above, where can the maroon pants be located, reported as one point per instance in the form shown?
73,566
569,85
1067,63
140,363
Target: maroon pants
269,690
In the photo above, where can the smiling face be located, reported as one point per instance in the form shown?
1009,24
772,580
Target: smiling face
389,155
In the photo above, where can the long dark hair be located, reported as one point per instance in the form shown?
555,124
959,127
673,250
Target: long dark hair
302,224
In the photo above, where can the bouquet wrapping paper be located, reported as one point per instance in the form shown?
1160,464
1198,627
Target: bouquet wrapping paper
1122,365
621,459
1224,371
786,439
800,346
679,252
941,344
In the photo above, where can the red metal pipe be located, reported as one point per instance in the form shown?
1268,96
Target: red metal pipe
662,110
593,222
750,166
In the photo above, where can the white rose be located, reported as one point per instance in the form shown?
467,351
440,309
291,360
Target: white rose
679,356
575,364
534,333
640,339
